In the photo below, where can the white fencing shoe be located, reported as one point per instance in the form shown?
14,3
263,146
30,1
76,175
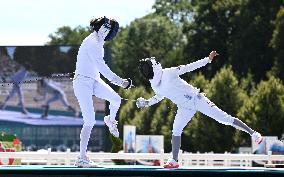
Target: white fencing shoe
85,163
257,137
171,163
112,126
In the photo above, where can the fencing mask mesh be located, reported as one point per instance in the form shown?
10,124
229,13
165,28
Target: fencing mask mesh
103,22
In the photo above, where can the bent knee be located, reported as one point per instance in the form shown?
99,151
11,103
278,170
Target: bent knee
116,100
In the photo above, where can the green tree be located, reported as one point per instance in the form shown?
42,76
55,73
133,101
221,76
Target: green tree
65,35
239,29
149,36
46,60
277,44
251,38
211,28
247,83
177,10
265,109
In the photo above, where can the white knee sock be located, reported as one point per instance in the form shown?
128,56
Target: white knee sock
84,139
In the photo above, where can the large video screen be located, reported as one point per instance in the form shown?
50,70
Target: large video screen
37,102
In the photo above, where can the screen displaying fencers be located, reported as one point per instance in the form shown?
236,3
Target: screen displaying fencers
37,102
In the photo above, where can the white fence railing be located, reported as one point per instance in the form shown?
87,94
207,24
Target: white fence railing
199,159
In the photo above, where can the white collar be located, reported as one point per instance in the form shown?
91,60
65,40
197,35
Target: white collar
97,36
157,78
158,72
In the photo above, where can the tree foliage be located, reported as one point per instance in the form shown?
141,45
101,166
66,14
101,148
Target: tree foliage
240,29
146,37
250,44
65,35
46,60
277,43
265,109
179,11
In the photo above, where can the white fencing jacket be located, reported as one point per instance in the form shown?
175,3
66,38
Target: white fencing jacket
90,62
174,88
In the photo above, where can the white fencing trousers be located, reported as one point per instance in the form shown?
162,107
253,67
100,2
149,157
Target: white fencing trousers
183,116
85,88
203,105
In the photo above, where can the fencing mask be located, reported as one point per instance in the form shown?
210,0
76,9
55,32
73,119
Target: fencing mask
106,27
151,69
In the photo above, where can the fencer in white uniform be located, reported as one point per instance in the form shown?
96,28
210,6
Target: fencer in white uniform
87,82
189,100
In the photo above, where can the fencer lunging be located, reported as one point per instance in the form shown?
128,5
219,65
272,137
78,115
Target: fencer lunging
17,79
48,86
87,82
189,100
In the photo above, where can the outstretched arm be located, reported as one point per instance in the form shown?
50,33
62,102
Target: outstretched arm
142,102
195,65
155,99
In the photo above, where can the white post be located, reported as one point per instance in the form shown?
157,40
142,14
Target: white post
48,159
67,158
162,157
206,161
197,160
242,162
209,161
190,159
269,157
186,161
180,157
226,162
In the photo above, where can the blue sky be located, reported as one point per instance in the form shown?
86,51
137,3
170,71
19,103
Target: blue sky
29,22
